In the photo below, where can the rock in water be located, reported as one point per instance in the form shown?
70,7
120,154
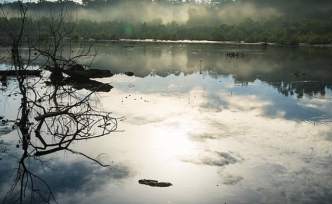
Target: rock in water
154,183
90,73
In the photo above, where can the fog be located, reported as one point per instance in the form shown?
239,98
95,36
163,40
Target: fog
184,13
227,12
135,12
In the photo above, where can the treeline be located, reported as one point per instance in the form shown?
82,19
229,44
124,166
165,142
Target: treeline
311,24
275,30
294,9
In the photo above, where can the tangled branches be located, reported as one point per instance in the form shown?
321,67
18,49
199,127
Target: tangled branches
51,121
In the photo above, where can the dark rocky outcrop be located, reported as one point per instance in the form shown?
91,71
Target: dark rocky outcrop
91,85
79,78
78,71
89,73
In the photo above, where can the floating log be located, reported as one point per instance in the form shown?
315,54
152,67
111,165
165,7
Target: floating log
23,72
154,183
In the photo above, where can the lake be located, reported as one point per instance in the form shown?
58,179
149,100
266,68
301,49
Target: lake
250,129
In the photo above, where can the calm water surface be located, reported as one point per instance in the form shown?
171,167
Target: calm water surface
221,130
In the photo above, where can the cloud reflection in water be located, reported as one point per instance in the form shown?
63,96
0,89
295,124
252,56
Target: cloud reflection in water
241,131
255,138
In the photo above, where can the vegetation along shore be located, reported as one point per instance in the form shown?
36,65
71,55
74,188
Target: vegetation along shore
289,23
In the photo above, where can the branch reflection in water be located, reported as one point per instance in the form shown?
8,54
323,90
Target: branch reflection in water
52,117
62,116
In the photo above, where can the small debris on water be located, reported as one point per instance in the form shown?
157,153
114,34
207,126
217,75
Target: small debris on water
154,183
129,73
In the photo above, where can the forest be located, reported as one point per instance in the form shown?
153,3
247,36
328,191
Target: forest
283,22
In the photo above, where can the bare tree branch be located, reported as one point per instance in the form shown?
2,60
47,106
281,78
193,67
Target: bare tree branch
58,116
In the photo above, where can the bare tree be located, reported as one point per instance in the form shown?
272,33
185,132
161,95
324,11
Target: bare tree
58,116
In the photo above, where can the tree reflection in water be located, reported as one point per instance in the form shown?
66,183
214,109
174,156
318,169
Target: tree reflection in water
50,118
55,130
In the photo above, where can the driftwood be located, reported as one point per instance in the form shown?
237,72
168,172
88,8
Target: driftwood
154,183
21,72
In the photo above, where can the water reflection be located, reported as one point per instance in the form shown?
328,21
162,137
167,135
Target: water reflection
242,140
68,180
237,131
275,65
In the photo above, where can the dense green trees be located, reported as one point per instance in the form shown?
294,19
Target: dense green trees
276,30
205,22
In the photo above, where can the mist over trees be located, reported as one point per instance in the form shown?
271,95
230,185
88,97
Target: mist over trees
291,22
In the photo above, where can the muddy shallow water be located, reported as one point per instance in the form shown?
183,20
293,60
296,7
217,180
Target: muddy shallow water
219,129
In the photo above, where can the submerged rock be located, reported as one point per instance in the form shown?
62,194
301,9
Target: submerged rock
154,183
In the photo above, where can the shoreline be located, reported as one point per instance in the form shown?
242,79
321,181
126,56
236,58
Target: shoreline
213,42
